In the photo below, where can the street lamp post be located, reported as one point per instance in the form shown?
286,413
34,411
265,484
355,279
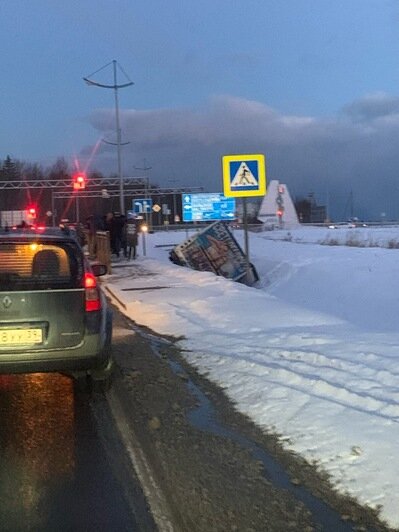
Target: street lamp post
115,87
144,229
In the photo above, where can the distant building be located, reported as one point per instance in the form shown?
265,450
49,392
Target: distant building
318,214
309,211
277,208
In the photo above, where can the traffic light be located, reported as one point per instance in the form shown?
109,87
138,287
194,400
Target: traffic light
79,181
31,213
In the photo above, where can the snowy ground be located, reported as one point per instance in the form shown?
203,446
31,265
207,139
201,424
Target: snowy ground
311,353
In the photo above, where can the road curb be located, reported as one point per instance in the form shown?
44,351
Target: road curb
114,296
157,502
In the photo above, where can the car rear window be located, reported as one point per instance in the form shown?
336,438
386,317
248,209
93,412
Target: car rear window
39,266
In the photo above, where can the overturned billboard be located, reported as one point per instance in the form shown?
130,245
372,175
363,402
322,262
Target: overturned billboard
214,249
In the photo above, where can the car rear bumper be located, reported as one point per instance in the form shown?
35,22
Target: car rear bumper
89,356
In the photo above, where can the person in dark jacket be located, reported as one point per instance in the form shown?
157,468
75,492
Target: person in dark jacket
131,238
118,223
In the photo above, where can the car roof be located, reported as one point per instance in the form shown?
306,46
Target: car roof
40,232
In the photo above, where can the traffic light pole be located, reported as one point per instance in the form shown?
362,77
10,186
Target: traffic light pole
77,207
52,208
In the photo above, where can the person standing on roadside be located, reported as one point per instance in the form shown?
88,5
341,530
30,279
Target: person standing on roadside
131,238
118,230
123,235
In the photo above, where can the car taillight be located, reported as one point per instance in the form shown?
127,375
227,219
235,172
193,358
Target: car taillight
92,295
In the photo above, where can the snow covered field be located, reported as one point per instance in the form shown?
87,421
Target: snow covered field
311,353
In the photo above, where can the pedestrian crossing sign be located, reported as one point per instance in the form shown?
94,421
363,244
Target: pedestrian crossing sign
244,175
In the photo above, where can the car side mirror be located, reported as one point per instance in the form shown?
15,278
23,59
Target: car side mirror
99,269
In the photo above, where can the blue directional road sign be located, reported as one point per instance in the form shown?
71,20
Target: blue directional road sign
207,207
142,205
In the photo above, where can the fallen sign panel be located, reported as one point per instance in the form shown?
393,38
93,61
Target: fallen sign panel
214,249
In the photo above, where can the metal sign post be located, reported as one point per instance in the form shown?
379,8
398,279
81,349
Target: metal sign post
143,232
244,176
246,239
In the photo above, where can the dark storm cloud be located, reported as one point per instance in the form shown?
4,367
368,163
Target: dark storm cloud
330,157
373,106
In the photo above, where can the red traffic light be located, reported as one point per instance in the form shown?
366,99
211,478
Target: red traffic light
79,181
31,212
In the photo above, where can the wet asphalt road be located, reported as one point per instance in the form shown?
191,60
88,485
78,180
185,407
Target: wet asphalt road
55,472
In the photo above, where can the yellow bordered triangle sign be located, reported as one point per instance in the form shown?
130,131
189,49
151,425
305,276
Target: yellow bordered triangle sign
244,175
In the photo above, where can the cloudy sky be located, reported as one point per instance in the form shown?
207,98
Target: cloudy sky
312,84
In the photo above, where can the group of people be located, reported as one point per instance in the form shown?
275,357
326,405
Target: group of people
123,233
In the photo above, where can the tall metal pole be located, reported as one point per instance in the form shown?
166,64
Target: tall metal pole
174,200
144,248
328,202
77,206
118,142
246,239
115,86
52,208
146,169
174,207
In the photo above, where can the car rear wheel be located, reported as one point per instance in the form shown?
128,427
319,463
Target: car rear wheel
88,384
95,381
101,385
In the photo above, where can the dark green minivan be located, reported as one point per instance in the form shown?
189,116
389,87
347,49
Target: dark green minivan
53,314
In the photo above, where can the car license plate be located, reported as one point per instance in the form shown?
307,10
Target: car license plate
20,336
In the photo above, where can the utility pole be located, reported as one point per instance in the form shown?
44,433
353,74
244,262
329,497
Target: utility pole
115,87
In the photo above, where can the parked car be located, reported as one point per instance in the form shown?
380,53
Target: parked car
350,224
53,314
